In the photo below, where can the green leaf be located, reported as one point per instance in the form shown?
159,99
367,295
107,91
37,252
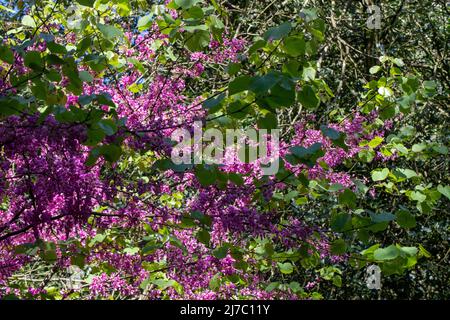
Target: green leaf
337,137
28,21
256,46
369,251
375,69
417,196
6,54
205,175
48,251
340,222
54,59
70,71
348,198
6,8
108,126
85,76
203,236
337,280
444,190
239,84
216,25
87,3
56,48
382,217
389,253
137,64
292,68
307,156
268,121
78,260
185,4
150,248
330,132
363,235
144,22
380,174
98,238
387,112
213,104
440,149
238,110
308,98
233,68
294,46
33,60
409,251
375,142
110,152
406,101
105,99
385,92
196,13
336,187
262,84
49,255
286,268
291,195
280,97
198,40
236,178
220,252
110,32
272,286
369,155
308,14
405,219
295,286
278,32
203,218
83,45
131,250
195,28
429,85
308,73
398,62
214,282
26,248
405,173
338,247
163,284
85,99
378,227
